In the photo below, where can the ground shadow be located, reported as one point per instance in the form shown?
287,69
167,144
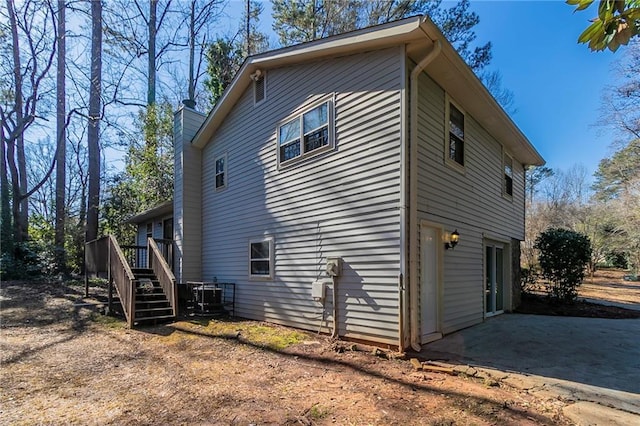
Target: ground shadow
463,401
593,351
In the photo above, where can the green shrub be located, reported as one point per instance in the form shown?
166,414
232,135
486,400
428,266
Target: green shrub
29,260
564,255
617,259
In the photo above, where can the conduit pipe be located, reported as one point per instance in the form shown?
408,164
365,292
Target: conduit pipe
334,295
413,191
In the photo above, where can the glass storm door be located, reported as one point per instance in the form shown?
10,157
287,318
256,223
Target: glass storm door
494,280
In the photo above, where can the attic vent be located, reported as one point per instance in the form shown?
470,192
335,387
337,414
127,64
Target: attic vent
259,87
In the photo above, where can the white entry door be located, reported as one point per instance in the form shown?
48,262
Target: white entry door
429,294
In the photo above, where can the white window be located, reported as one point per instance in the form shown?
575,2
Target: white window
261,258
259,87
221,172
508,176
455,141
306,134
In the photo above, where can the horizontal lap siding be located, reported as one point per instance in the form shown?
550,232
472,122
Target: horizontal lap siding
187,203
341,203
472,203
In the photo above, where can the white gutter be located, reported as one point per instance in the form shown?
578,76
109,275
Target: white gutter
413,191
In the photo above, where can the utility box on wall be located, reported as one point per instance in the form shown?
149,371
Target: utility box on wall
334,266
318,291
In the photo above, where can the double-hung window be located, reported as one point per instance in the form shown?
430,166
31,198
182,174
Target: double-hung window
508,175
305,134
221,172
261,258
455,139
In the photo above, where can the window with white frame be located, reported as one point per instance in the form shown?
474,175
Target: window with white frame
261,258
455,138
305,134
221,171
508,175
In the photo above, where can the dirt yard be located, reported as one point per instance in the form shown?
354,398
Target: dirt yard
605,295
62,363
608,285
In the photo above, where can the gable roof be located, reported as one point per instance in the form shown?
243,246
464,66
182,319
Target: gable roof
419,34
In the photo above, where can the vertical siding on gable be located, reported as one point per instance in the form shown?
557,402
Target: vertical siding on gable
472,203
343,203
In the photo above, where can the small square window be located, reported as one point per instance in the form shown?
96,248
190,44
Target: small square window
221,172
261,258
508,175
455,140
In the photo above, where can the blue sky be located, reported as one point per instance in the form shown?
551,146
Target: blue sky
556,82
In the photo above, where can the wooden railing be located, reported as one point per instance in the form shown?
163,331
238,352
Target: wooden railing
166,248
136,256
104,255
96,256
123,278
163,273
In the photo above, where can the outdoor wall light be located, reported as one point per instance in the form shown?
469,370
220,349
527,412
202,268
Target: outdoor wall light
451,240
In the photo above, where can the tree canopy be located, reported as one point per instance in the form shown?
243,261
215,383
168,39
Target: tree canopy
616,23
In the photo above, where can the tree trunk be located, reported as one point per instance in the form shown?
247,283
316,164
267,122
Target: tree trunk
5,206
192,49
248,27
61,137
93,133
151,89
18,182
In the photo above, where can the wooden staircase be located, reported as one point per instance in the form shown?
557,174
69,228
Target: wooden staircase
152,304
143,295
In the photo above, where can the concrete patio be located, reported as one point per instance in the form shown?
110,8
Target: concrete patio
594,362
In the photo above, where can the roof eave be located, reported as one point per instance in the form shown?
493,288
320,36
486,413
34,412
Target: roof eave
389,34
159,210
491,115
504,128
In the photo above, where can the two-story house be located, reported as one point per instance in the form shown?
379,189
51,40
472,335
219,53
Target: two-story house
334,178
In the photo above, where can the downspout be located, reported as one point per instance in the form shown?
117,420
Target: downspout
413,190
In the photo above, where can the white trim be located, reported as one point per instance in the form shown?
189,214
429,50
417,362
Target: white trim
298,114
455,74
404,334
505,194
225,172
271,259
440,231
460,168
507,285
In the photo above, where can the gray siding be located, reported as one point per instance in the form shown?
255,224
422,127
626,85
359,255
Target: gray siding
343,203
471,202
187,206
157,227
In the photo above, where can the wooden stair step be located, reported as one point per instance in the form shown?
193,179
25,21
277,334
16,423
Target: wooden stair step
152,309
